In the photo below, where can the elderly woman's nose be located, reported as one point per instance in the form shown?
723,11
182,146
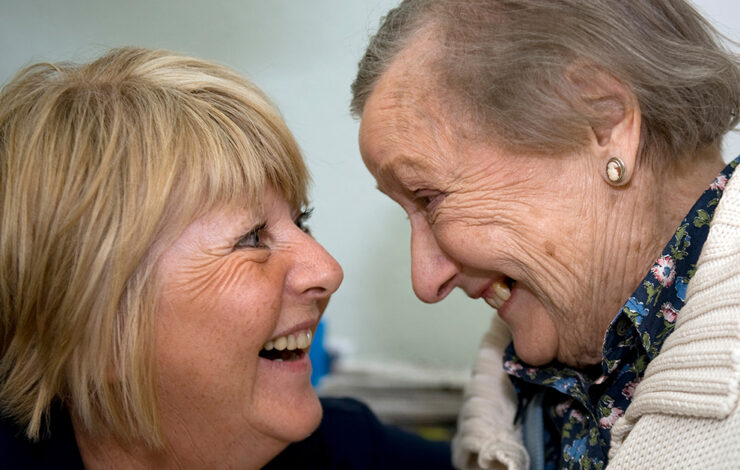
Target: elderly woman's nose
316,274
432,271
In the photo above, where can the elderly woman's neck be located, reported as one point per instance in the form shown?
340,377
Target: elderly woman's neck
643,218
671,189
681,182
663,193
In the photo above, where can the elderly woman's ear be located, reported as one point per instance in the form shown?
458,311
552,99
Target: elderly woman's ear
614,120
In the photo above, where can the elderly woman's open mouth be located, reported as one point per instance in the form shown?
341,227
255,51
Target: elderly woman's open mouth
499,292
287,348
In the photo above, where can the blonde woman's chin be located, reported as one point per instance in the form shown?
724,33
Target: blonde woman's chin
291,409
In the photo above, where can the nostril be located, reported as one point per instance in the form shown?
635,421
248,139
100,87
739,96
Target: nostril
317,291
445,289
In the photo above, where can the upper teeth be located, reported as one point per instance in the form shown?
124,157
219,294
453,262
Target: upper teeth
300,340
501,294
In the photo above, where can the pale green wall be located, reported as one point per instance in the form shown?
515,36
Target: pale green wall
303,53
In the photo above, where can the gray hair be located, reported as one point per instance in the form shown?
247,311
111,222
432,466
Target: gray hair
516,65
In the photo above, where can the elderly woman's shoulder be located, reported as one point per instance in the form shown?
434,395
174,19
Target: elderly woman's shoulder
351,437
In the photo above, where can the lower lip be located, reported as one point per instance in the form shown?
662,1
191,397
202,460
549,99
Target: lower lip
296,366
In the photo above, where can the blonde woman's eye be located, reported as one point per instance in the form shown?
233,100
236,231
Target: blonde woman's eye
302,220
255,238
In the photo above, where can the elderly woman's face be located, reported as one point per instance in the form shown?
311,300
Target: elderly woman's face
481,215
235,280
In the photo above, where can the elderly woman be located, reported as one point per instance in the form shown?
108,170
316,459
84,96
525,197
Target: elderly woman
159,288
560,160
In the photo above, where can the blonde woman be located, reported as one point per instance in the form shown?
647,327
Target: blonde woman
159,287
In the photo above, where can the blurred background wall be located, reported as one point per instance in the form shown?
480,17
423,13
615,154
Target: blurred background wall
303,53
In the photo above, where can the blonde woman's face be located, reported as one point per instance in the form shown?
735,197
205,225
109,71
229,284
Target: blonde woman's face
235,280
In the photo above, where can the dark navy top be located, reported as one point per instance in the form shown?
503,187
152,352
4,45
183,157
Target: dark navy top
349,437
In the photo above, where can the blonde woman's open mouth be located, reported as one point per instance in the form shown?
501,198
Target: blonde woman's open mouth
291,347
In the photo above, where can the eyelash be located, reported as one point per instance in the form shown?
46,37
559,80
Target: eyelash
253,238
302,219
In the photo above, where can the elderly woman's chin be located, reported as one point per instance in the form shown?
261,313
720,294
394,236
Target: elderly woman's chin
534,332
533,347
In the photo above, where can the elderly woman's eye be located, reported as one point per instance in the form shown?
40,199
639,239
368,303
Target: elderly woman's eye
428,199
302,220
253,239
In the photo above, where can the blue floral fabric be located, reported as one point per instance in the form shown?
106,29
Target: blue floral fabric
580,406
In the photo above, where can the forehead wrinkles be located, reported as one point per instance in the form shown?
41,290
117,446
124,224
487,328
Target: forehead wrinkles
410,137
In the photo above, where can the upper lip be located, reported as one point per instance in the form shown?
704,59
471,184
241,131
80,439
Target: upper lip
482,292
306,325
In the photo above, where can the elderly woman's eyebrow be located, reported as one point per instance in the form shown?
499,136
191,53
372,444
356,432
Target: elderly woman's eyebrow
396,168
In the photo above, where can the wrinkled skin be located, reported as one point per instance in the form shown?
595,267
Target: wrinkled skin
575,245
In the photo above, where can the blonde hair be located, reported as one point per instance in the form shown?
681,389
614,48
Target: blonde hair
510,64
99,165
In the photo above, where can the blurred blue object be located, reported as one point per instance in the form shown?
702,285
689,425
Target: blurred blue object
320,359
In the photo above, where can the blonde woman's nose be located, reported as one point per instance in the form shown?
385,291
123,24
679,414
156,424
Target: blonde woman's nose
316,274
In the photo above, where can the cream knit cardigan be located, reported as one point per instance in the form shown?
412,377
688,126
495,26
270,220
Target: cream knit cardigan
684,413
